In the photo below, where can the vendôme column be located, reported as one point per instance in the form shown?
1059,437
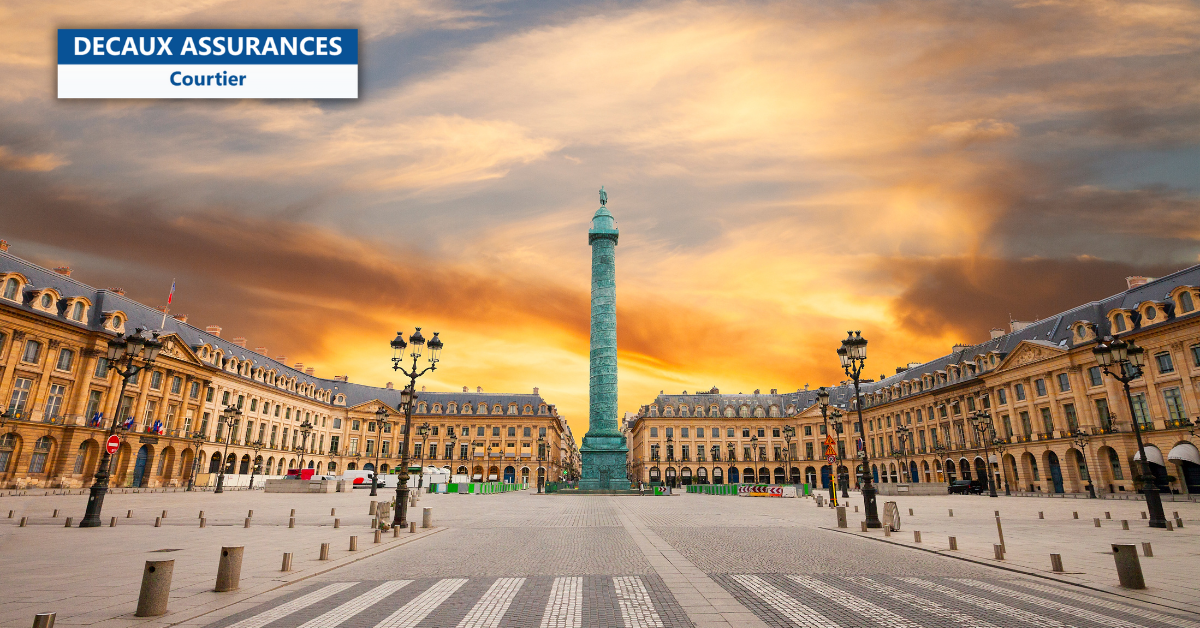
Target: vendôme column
603,449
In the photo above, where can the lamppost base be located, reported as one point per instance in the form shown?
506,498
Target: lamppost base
220,484
1158,518
868,493
91,519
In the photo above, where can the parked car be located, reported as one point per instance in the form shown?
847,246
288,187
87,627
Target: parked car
963,487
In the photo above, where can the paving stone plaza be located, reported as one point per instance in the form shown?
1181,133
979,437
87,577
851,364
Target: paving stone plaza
522,559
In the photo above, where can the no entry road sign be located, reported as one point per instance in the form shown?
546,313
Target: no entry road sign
112,444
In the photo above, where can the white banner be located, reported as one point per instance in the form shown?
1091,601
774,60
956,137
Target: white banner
207,81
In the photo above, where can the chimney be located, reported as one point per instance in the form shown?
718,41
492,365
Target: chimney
900,369
162,308
62,270
422,389
309,371
4,245
756,391
1136,281
997,332
281,359
214,330
341,378
957,347
774,391
465,389
180,317
241,342
479,389
120,291
389,386
535,390
299,366
913,365
1017,326
260,350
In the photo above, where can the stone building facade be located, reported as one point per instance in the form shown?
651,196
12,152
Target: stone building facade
1052,420
60,397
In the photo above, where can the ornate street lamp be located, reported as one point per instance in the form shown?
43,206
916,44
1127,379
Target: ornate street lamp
381,419
1127,360
789,433
414,347
423,432
541,457
198,438
823,401
124,355
305,428
228,418
1000,445
981,420
1080,439
255,465
853,356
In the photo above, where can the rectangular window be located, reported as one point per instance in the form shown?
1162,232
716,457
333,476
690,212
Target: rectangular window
33,351
101,368
654,432
1196,355
479,431
1140,412
187,424
775,432
1095,376
1047,421
808,451
337,423
333,444
371,447
921,438
1072,419
93,403
148,415
462,452
208,395
194,390
225,398
275,435
1165,365
176,385
1002,394
156,380
512,431
683,432
933,436
416,449
729,432
1020,390
495,431
55,400
37,463
1175,411
807,430
1064,383
970,405
66,358
355,425
527,432
1040,385
1102,413
670,432
1026,426
20,395
761,433
1007,426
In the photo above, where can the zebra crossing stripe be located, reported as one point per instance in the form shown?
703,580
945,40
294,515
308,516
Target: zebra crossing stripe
1109,604
637,609
784,604
283,610
420,607
355,606
854,603
1082,613
925,604
566,599
490,608
1011,611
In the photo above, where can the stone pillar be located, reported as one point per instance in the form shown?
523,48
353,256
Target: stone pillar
603,448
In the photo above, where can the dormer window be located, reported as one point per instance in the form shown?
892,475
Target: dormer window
1186,303
12,288
1150,313
47,301
1119,323
77,311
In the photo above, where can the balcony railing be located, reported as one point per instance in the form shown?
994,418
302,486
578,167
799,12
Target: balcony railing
1171,424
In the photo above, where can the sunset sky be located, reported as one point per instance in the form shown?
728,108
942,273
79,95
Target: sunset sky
780,173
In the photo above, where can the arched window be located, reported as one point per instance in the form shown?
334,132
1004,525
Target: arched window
77,311
10,289
1115,462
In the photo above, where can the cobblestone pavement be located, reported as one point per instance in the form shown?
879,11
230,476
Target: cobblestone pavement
521,559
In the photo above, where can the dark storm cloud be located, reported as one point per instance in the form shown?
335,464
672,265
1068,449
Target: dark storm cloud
969,296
